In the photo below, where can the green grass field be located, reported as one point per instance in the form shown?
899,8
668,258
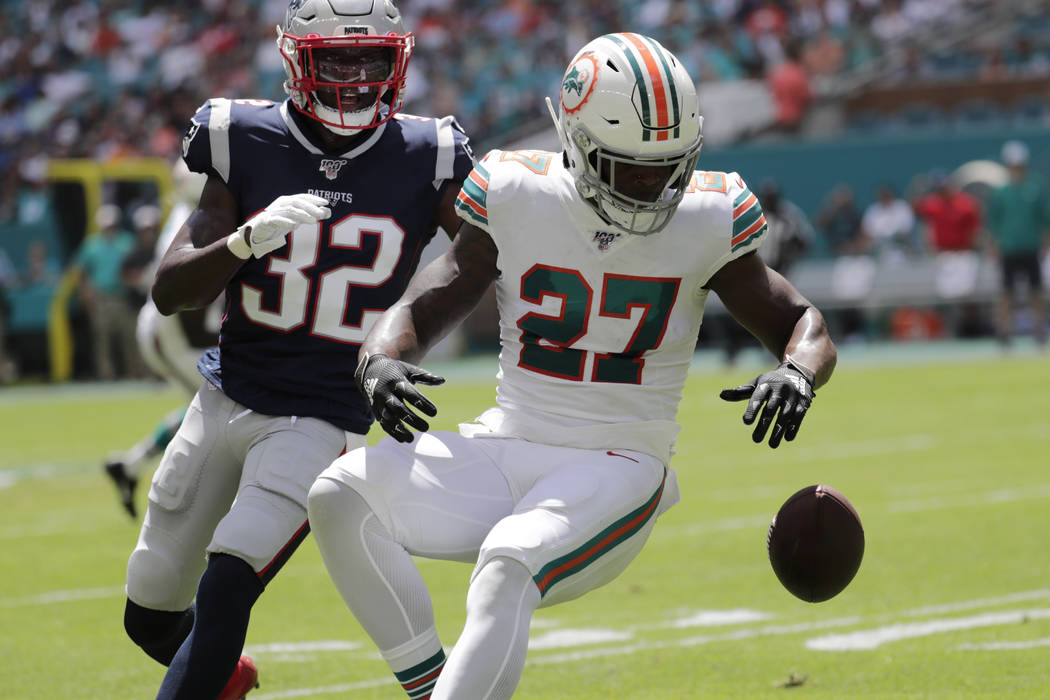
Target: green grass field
946,463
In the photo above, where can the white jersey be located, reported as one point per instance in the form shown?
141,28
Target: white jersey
598,328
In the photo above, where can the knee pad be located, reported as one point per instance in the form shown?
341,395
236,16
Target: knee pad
154,582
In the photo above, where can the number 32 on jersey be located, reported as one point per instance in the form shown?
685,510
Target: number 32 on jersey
334,285
547,339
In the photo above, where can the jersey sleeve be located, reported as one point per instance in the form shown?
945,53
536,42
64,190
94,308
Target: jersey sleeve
472,202
206,143
749,223
455,159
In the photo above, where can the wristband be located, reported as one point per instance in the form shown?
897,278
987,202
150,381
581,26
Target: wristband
806,372
238,244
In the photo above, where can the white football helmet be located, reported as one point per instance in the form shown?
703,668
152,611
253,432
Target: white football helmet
345,61
629,112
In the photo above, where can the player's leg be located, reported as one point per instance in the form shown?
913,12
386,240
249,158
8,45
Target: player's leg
192,489
489,656
124,469
373,508
251,543
1037,300
577,528
165,350
1004,304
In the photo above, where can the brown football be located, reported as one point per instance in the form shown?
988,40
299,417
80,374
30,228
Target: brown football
816,543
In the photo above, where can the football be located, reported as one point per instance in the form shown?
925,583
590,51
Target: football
815,543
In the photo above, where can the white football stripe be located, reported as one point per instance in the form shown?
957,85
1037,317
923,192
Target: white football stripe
864,640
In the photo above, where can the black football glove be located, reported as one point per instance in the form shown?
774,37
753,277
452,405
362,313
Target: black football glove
387,385
788,388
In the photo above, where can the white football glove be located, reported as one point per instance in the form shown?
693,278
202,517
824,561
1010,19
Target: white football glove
268,230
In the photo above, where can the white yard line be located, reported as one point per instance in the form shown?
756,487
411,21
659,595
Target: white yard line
53,597
864,640
1006,646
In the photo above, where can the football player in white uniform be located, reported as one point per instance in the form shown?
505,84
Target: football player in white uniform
169,345
603,257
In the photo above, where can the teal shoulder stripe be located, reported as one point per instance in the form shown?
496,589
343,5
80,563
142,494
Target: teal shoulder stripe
481,169
475,192
741,198
465,209
753,236
747,219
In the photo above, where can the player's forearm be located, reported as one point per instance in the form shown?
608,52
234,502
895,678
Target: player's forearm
191,278
417,322
811,346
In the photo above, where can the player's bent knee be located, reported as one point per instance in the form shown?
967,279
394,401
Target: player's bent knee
155,582
325,500
500,583
333,504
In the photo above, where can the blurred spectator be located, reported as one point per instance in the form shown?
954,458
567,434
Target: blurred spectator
136,271
118,78
104,294
789,235
31,297
853,271
1019,222
789,84
888,223
953,221
952,217
839,221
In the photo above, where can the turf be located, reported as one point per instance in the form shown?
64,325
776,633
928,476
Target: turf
946,464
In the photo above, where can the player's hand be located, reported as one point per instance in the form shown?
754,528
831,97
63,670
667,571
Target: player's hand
787,389
267,231
387,385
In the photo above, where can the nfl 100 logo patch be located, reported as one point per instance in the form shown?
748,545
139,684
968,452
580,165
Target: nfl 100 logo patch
604,239
330,167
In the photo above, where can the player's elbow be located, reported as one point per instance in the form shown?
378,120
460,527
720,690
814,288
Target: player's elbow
163,299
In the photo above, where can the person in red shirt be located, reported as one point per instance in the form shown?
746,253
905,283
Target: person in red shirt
789,86
953,222
952,217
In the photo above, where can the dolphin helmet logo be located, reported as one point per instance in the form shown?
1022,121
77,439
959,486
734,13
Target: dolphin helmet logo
578,83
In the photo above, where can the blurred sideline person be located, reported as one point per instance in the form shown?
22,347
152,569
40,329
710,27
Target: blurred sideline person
603,257
312,221
790,234
99,262
888,223
169,345
1018,218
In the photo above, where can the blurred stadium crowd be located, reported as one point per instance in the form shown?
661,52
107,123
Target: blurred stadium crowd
113,79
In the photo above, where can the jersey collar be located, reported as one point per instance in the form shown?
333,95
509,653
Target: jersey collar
305,142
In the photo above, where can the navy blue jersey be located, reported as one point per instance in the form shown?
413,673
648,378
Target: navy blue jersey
295,318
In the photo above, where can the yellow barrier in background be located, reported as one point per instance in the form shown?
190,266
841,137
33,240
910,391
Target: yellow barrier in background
92,175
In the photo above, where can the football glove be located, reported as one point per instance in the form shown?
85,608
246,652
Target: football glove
787,389
267,231
387,385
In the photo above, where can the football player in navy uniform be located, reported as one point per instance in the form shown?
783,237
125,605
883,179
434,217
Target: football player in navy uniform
603,257
312,221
